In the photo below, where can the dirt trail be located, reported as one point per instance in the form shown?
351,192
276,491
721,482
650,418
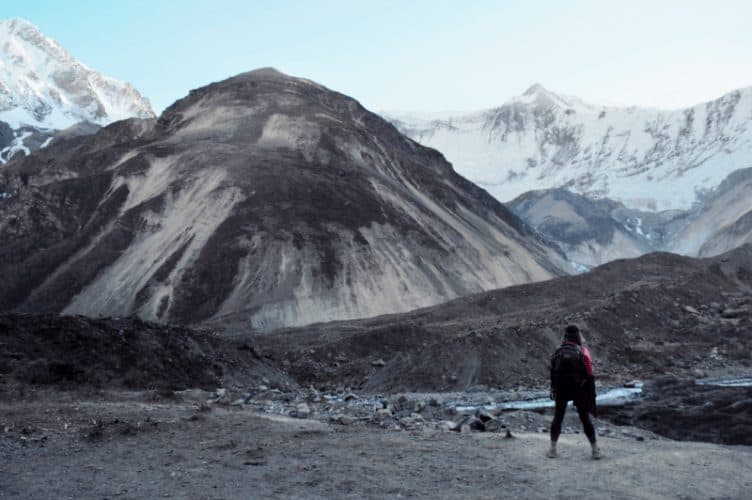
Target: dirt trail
53,448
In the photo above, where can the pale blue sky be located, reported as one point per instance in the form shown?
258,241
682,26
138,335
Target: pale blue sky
415,55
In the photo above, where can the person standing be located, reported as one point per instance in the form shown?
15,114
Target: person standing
572,380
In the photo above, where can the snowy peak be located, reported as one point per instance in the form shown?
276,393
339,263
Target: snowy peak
535,89
647,159
538,96
42,85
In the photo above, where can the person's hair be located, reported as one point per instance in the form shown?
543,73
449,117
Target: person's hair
572,333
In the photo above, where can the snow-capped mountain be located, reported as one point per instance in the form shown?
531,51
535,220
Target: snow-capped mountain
43,87
647,159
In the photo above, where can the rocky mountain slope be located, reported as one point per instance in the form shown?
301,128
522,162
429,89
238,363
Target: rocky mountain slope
592,232
73,352
658,314
263,199
44,88
647,159
720,222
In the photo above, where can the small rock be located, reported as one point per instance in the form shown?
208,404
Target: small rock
220,396
698,373
483,415
350,396
238,402
379,362
691,310
447,425
302,411
633,383
733,313
383,414
263,388
475,424
495,425
408,422
509,435
345,420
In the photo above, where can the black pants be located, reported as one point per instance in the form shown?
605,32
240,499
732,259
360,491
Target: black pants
561,408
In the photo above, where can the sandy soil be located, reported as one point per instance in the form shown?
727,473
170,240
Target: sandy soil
122,445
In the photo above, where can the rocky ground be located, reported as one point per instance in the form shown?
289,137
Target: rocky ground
409,405
147,444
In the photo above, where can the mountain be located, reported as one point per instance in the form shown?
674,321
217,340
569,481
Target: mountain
657,314
720,222
646,159
43,88
592,232
263,199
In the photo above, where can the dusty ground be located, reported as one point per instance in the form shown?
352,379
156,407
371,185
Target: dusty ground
87,408
121,445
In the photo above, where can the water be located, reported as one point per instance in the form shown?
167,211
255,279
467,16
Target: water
726,382
611,397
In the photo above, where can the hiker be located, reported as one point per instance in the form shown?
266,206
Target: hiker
572,380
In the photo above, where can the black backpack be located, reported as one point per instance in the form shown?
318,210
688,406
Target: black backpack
568,364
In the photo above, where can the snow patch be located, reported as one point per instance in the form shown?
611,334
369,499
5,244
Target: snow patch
16,146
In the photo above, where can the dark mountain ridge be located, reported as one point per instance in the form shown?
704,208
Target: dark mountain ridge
264,199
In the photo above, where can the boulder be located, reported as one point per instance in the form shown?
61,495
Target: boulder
495,425
483,415
345,420
220,396
383,414
447,425
302,411
408,422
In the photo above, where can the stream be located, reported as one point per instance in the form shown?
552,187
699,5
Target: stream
610,397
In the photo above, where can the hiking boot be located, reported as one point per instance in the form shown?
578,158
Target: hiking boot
552,451
596,453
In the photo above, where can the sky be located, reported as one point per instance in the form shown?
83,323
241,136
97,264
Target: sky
416,55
